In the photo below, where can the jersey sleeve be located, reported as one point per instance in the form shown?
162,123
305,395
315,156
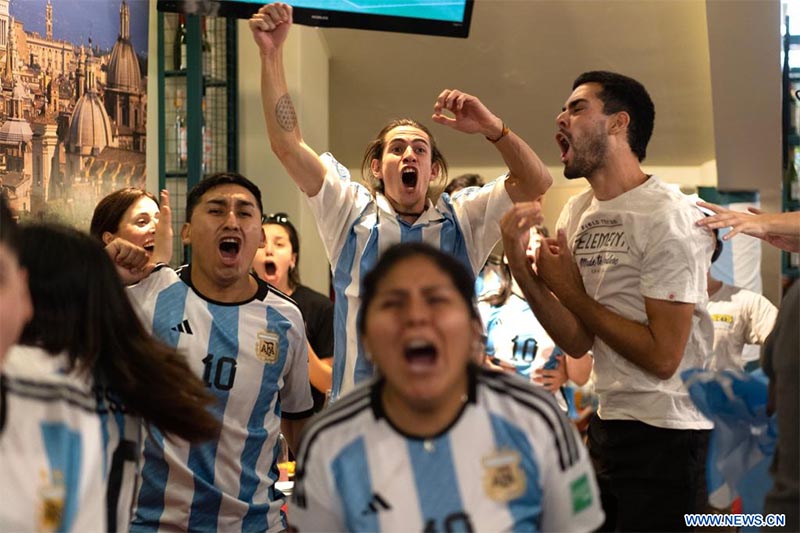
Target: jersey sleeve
760,320
296,399
478,210
315,503
337,205
143,295
676,256
571,498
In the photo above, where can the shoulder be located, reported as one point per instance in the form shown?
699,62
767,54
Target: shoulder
529,405
311,296
341,418
32,373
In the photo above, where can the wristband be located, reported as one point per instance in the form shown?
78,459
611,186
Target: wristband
505,131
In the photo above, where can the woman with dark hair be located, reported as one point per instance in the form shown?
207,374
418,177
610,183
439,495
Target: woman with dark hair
129,213
86,342
277,263
435,442
16,308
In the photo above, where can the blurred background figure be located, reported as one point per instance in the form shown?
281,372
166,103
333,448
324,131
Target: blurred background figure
15,300
516,341
277,263
83,354
129,213
462,182
740,317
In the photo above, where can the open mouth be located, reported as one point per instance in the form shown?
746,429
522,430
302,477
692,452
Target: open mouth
270,269
409,177
420,355
229,247
563,144
149,248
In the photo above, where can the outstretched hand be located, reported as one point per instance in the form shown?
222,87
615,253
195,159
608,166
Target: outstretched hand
270,26
781,230
469,114
515,228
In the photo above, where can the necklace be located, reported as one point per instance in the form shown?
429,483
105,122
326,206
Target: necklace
403,214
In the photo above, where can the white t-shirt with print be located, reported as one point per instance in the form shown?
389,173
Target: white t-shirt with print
643,243
740,317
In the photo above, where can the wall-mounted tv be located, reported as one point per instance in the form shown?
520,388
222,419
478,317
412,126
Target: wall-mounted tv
449,18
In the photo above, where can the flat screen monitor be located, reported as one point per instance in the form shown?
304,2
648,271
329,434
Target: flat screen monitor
449,18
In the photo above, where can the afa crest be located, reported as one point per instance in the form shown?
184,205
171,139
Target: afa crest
503,477
267,343
51,501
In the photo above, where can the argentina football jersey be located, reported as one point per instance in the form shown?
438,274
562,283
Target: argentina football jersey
510,462
357,227
252,357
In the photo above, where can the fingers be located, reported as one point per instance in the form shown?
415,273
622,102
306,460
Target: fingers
712,207
269,17
162,245
451,100
755,210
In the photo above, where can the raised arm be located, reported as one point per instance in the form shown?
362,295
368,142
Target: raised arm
528,176
270,27
561,324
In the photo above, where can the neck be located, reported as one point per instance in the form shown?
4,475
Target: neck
616,177
423,419
236,290
409,213
712,284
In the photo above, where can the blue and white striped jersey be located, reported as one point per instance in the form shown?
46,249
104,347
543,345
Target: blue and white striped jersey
253,357
357,227
510,462
51,456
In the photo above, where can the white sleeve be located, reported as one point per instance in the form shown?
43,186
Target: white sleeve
337,205
315,504
479,210
760,320
143,295
296,396
571,498
676,256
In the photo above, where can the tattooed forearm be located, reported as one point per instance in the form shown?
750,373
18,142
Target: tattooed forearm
284,113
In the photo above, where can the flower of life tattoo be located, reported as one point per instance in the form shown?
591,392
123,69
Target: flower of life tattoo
284,113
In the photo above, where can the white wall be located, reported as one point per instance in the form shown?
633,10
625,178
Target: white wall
306,60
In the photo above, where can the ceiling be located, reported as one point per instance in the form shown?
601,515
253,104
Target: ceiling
520,59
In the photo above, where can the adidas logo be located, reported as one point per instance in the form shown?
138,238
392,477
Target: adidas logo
183,327
377,503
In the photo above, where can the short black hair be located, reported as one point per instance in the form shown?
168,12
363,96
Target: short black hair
621,93
215,180
463,181
462,278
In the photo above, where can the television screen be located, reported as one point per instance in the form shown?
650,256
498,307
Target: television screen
428,17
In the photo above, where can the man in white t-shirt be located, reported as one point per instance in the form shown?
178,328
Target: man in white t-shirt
626,279
740,317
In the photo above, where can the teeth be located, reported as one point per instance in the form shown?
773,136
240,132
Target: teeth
230,239
418,344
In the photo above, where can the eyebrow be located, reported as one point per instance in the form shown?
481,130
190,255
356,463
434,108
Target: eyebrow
573,104
403,139
223,202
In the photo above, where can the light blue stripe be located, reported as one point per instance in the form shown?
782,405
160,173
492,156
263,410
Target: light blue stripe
436,481
722,268
169,310
342,277
257,434
63,447
150,504
363,368
451,237
223,341
409,233
527,508
351,472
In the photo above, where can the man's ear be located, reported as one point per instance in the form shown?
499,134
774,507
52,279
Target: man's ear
375,167
619,122
186,234
263,241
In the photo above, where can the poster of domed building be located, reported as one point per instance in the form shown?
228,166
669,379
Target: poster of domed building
73,104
